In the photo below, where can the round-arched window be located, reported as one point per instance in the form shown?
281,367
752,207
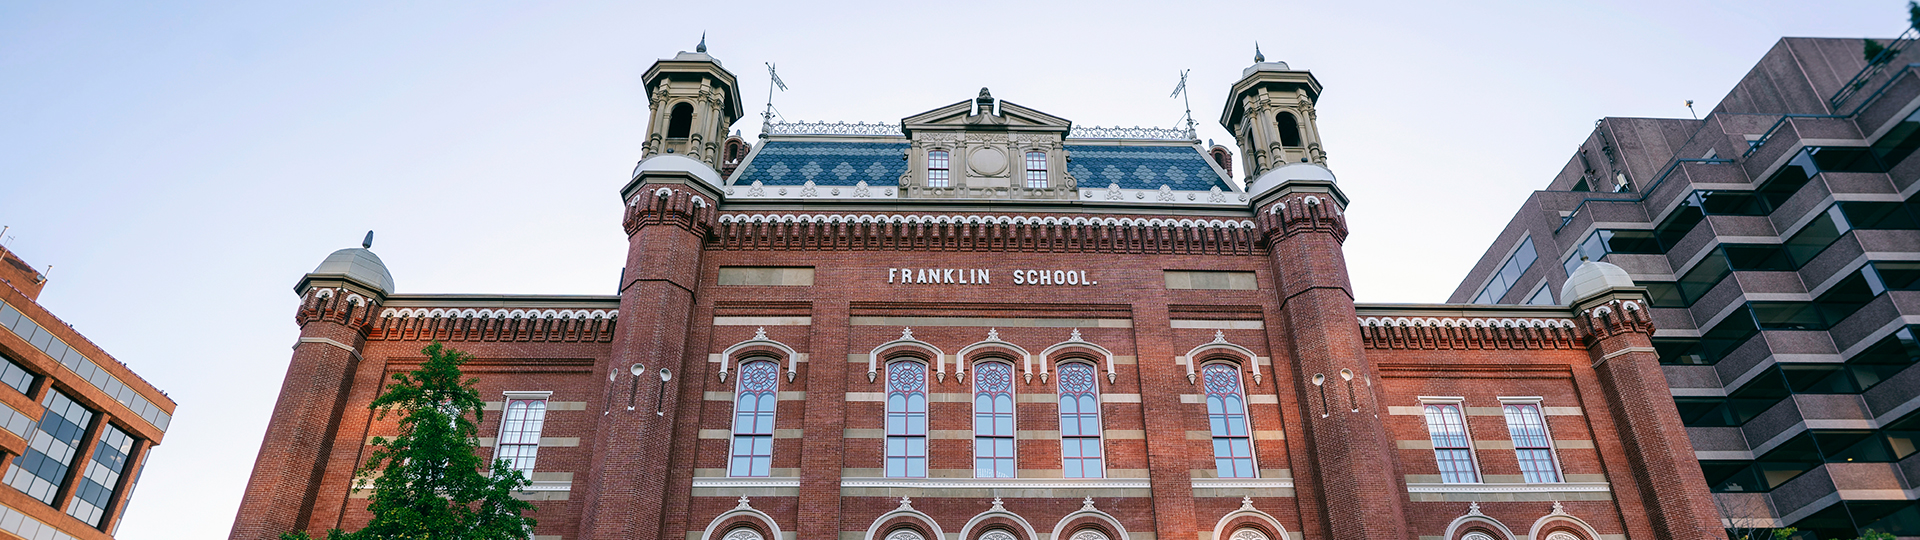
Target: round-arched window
998,534
905,534
680,121
743,533
1249,534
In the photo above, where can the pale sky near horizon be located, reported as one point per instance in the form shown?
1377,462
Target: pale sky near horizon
181,166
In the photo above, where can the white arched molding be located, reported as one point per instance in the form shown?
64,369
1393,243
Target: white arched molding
1247,510
1073,341
965,358
727,359
906,510
1087,510
937,358
1561,518
747,510
1220,343
1472,518
998,510
743,533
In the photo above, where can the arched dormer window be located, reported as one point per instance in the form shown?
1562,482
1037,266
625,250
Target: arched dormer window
1080,422
937,174
906,419
680,122
753,406
1036,170
993,434
1227,416
1289,128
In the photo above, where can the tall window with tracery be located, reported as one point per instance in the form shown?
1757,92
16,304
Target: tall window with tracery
1530,442
937,168
1036,170
520,433
753,406
906,420
1080,422
1227,416
993,420
1451,446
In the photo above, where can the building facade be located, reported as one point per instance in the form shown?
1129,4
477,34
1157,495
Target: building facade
1777,237
75,424
984,322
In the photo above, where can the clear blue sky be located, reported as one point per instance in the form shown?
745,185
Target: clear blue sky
181,166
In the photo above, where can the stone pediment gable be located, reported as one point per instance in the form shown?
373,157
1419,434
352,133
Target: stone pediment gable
959,116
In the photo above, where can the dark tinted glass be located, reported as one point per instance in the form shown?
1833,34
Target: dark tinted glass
1758,257
1877,215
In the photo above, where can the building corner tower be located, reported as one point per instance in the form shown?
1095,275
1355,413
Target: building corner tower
338,301
1300,214
671,206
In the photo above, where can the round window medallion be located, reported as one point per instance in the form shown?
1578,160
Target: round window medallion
987,161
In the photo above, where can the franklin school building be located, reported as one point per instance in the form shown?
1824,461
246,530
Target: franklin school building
985,323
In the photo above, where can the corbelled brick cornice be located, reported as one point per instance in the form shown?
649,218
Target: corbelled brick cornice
1297,213
669,204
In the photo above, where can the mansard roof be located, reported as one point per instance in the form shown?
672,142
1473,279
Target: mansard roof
837,163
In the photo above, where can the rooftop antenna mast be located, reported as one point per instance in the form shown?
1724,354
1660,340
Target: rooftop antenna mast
1181,92
766,118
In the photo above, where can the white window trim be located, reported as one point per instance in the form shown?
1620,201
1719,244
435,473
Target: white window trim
975,394
1253,450
1473,454
926,383
1553,450
500,436
733,424
1099,418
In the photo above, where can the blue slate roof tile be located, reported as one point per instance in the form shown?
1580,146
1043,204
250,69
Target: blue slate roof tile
1142,167
793,163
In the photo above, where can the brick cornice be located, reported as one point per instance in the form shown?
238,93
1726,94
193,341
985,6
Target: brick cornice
1475,333
672,205
1303,212
336,305
501,325
984,232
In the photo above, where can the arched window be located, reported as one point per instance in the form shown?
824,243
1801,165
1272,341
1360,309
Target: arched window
1088,534
937,168
1036,170
998,534
1531,445
1476,535
1227,414
905,534
520,433
753,407
1451,447
906,420
1080,422
1289,129
1562,535
993,420
1248,534
680,122
743,533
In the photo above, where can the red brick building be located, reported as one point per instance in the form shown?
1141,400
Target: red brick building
983,322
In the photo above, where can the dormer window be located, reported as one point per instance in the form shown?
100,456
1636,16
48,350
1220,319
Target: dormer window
1036,170
937,169
680,122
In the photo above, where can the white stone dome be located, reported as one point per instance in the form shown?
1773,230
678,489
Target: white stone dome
1592,278
676,163
357,264
1291,171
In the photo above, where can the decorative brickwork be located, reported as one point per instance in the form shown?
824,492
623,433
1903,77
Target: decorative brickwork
1432,333
456,325
864,232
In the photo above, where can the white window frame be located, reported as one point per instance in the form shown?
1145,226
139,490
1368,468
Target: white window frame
1099,419
1246,415
947,168
733,432
925,436
1466,429
1553,450
1013,400
1026,165
500,438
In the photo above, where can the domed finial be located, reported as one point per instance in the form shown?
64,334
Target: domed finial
1257,57
984,94
368,242
702,47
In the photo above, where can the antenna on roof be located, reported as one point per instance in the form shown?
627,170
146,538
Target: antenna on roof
766,118
1180,91
1696,116
368,243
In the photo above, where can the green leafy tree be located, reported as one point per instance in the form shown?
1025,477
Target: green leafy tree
1913,13
1871,50
428,484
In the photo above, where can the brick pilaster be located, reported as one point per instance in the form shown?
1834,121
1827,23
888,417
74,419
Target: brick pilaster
823,453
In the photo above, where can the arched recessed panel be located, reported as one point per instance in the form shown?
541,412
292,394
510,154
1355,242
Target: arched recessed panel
680,121
1289,129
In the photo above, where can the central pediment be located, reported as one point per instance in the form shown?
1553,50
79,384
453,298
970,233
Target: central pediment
985,114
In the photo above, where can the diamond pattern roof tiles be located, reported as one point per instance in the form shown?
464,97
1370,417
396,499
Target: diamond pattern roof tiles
1142,167
793,163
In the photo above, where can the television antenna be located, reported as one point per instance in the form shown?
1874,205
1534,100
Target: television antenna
1180,91
766,118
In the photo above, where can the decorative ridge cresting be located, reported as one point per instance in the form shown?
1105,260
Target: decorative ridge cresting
525,325
1135,132
803,127
1468,333
983,233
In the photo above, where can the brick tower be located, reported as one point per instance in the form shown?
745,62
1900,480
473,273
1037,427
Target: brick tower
337,301
1605,299
1300,214
670,211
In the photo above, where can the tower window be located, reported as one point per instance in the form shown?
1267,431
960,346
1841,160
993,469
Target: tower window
1036,170
1289,129
753,407
680,122
906,420
993,420
1451,448
937,169
1079,422
1227,414
520,433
